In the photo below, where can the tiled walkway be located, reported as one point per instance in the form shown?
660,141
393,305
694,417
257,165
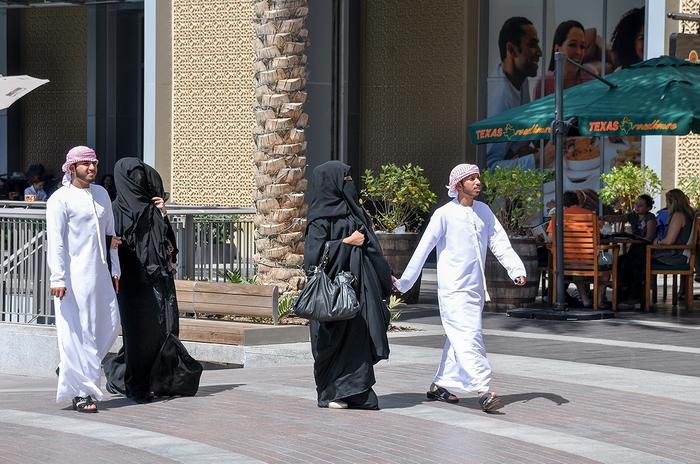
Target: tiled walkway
616,391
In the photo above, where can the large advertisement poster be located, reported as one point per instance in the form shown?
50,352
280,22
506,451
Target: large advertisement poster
523,35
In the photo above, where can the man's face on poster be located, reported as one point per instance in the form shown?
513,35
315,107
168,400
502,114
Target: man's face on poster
527,54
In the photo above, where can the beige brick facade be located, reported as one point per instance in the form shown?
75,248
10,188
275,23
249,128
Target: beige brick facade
212,102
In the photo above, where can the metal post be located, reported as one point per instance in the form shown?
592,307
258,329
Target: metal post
559,130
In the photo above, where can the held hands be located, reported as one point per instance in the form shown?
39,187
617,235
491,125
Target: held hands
58,292
356,239
116,241
115,282
520,281
160,204
393,284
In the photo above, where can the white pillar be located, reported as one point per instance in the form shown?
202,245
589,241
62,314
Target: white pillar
149,82
157,87
3,71
654,45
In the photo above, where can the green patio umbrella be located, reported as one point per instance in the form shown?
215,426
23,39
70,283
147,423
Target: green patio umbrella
660,96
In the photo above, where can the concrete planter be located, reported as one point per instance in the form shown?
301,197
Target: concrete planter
398,249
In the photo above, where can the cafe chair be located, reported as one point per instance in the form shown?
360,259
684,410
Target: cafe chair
581,251
685,271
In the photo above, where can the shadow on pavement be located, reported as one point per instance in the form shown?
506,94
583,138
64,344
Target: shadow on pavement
407,400
117,401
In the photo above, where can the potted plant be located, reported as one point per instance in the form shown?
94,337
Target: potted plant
624,183
691,187
515,197
396,198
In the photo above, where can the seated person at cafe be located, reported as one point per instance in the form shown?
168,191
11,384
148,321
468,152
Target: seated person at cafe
642,220
35,191
631,271
680,226
572,206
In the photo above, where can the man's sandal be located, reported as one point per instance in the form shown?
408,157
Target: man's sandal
82,404
442,394
489,402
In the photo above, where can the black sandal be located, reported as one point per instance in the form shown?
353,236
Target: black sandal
489,402
81,404
442,394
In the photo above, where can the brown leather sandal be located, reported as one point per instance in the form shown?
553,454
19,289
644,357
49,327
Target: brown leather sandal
489,402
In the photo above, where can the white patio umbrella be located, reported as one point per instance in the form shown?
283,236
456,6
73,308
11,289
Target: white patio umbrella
12,88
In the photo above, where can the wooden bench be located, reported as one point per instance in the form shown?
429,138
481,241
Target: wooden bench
232,300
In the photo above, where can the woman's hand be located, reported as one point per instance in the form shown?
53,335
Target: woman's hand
160,204
356,239
116,241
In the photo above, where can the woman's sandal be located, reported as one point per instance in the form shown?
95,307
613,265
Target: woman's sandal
442,394
83,404
489,402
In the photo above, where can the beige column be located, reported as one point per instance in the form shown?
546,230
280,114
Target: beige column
212,101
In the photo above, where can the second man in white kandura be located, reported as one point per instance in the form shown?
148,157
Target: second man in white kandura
462,230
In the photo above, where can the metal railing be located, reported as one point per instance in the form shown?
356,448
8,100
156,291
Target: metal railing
214,243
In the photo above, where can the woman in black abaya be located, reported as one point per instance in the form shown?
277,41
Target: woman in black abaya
152,362
346,351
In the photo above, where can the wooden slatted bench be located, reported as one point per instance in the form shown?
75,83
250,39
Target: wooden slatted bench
232,300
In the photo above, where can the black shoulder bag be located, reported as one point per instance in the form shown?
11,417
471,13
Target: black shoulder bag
324,299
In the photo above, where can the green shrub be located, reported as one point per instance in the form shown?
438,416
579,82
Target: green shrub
396,196
514,194
691,187
623,185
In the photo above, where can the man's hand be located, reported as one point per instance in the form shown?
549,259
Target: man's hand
357,239
115,282
116,241
160,204
520,281
58,292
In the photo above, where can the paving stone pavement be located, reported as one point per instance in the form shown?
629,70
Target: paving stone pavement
618,391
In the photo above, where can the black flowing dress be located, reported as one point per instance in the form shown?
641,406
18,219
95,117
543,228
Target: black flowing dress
345,351
152,361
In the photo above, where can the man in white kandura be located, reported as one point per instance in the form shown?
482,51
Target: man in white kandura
79,219
461,230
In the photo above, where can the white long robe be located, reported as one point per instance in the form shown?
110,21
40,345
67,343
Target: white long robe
461,235
87,319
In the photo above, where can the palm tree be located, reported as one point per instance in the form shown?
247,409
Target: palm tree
280,70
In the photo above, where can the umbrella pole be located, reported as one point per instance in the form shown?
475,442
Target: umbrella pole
559,131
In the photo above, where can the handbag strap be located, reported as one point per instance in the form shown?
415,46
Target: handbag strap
325,257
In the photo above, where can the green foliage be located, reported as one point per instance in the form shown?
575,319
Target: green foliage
691,187
514,194
397,196
235,277
394,302
624,183
285,306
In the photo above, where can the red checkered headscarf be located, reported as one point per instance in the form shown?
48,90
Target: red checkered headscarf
76,155
458,173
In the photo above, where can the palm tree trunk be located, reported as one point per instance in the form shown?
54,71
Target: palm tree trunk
280,70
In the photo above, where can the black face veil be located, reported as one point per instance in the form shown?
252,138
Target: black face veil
137,220
331,196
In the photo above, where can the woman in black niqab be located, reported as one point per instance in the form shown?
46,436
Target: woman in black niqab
152,361
346,351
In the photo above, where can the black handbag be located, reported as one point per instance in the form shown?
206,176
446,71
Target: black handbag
324,299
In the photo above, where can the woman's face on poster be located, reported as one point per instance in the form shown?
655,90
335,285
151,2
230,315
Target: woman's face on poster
574,47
